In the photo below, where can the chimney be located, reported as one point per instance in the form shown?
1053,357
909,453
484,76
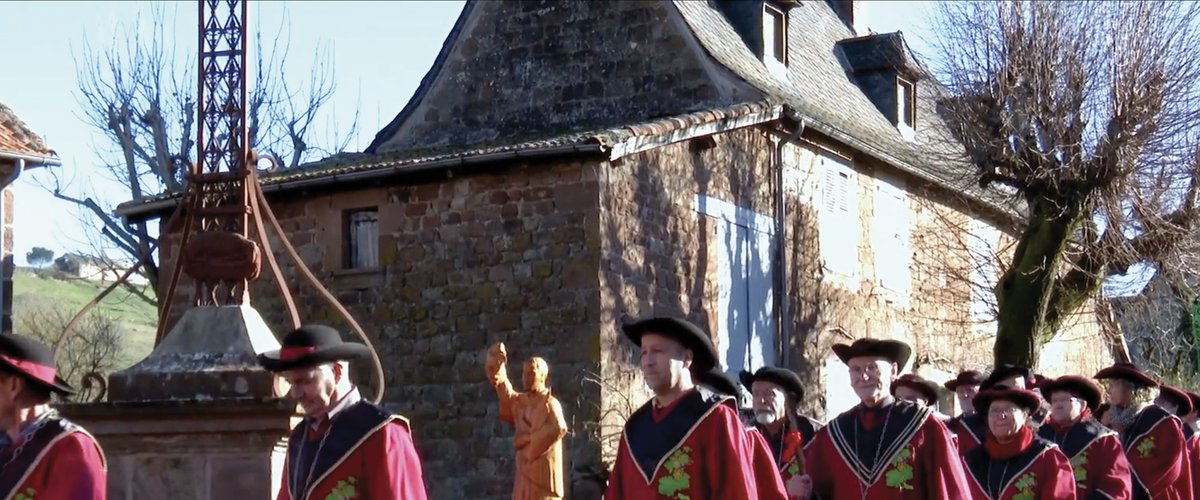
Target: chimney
851,13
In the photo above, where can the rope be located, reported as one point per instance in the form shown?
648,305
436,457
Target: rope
312,279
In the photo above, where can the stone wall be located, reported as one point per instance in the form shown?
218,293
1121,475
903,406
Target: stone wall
658,251
464,263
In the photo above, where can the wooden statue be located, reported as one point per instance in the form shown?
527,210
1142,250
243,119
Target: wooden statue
539,423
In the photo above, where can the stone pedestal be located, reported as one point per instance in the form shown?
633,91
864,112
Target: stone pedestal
197,419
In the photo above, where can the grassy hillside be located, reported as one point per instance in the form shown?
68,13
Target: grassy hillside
137,318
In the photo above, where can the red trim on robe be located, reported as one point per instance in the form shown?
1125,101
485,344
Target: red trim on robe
937,470
385,466
72,469
720,465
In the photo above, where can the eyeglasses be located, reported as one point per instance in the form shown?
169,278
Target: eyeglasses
1001,412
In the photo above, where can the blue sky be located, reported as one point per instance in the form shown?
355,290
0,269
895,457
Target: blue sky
381,51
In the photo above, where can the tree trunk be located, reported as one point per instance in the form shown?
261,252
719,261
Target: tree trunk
1024,293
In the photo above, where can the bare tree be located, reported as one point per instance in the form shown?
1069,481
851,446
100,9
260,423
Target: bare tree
139,92
93,348
1084,113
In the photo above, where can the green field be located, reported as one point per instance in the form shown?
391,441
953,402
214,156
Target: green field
33,292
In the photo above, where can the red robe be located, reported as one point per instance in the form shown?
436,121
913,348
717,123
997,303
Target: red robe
896,451
693,448
1096,456
366,454
969,431
1193,446
1040,472
766,469
61,461
1157,456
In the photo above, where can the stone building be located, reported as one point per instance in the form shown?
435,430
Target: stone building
20,149
755,166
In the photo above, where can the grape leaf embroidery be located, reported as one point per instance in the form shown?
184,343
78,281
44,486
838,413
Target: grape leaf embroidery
1079,466
900,472
27,494
344,490
793,469
1146,447
675,481
1025,485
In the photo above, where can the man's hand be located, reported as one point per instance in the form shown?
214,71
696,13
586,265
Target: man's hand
800,488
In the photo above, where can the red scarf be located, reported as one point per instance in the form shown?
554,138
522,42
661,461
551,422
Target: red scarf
1005,451
1062,428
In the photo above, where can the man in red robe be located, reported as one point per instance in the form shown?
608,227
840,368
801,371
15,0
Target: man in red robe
1013,463
1097,458
1152,437
972,430
766,474
915,389
882,448
776,394
44,455
1193,442
965,386
345,447
685,442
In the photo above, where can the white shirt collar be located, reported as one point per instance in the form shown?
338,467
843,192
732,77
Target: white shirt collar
350,399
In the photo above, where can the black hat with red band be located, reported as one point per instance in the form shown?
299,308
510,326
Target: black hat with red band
309,346
33,361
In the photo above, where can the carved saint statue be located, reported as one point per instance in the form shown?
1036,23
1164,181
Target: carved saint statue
539,424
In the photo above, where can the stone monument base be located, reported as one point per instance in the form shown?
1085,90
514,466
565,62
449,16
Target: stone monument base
198,419
190,450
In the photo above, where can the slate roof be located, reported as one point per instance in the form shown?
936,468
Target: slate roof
611,143
821,90
17,138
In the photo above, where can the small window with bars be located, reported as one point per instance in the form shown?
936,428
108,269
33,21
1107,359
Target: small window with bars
361,240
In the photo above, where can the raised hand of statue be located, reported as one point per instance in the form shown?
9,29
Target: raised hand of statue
497,357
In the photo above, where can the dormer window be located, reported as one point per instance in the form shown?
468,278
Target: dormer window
906,99
774,35
906,107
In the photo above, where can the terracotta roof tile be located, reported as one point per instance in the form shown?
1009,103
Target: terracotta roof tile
15,136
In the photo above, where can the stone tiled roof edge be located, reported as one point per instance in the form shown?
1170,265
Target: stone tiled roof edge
610,143
16,138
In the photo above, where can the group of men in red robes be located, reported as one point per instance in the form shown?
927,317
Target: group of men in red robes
344,448
1019,436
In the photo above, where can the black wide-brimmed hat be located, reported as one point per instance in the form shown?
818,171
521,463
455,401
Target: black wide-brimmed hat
33,361
926,388
718,381
967,378
1005,371
787,379
1080,387
892,350
311,345
1177,396
1128,372
1195,400
1026,399
704,355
